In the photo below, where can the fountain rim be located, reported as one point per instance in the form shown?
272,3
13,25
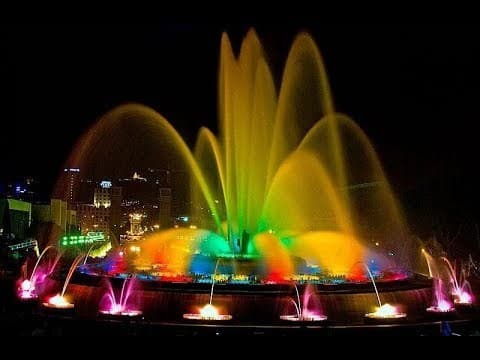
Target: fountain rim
415,281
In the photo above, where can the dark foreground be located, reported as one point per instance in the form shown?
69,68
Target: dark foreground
24,324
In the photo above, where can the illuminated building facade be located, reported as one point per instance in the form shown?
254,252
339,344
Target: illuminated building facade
92,218
15,219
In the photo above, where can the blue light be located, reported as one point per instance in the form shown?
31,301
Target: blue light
106,184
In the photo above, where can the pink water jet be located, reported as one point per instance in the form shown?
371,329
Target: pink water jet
28,289
303,313
460,287
123,307
441,303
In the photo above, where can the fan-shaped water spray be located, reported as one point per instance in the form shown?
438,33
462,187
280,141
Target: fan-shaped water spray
28,287
122,305
304,307
286,178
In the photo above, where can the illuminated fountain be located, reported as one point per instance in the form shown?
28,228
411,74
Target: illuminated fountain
27,289
124,306
88,253
209,312
289,189
304,313
271,213
385,311
441,302
460,288
59,301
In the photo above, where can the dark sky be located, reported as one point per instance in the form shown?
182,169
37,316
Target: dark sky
413,88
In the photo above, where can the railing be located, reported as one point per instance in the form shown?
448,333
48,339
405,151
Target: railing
23,245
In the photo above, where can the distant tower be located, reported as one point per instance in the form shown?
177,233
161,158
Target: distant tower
115,207
165,207
136,224
70,183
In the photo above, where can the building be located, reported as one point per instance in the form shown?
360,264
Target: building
58,213
140,195
105,214
92,218
101,195
109,197
116,208
15,219
69,185
165,207
136,224
86,189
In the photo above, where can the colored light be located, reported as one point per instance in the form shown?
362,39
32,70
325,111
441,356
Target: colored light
289,174
464,298
106,184
58,302
443,306
26,285
26,290
120,310
208,312
90,238
386,311
306,316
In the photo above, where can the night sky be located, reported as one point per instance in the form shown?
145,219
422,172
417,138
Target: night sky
414,89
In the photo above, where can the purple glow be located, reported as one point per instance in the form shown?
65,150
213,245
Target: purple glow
441,302
305,317
460,287
29,288
463,298
26,290
444,306
303,312
123,307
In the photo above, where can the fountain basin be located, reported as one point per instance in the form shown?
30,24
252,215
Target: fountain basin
200,317
124,313
260,303
306,319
